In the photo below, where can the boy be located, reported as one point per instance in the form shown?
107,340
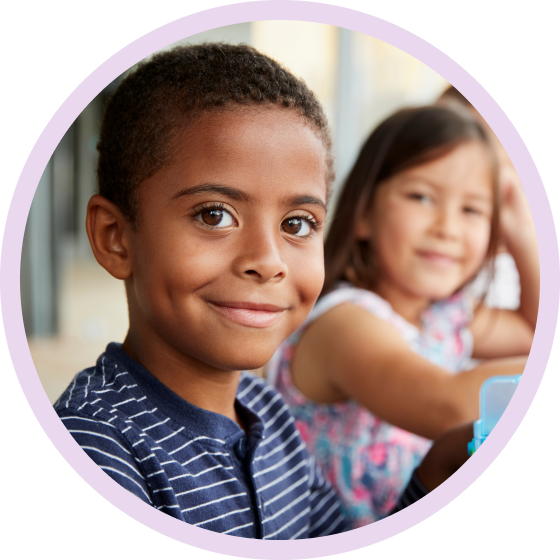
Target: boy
214,173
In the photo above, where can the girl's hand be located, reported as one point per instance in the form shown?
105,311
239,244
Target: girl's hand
518,233
515,215
502,332
499,332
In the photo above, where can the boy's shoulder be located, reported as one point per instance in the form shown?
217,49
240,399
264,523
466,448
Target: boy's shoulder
119,399
109,384
100,390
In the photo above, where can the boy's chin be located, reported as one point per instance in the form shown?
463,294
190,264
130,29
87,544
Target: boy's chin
242,361
251,351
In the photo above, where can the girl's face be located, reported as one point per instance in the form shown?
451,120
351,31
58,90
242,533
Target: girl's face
430,225
227,257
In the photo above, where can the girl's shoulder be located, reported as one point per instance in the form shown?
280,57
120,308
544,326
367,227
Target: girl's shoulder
370,301
343,292
346,293
452,314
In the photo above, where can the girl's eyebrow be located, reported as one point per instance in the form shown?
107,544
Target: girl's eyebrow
210,188
415,179
430,184
479,196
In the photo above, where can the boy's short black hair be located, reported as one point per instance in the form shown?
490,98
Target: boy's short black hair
162,96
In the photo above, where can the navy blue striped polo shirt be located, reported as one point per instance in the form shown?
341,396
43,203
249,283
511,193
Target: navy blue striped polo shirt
196,465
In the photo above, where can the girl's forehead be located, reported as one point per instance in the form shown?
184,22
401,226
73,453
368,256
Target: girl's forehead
467,166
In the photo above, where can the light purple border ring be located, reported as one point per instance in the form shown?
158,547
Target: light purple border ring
227,15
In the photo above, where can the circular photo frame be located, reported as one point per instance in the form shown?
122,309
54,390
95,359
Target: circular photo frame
297,11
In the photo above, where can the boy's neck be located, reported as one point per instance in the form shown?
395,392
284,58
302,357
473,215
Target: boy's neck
202,385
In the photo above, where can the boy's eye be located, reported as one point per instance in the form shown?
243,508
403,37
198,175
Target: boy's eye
216,217
300,227
471,210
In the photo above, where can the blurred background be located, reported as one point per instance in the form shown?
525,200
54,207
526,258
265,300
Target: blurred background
71,306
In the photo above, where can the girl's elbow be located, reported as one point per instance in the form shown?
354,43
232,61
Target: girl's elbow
527,344
451,413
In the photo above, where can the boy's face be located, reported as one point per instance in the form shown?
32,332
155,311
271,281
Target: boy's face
227,255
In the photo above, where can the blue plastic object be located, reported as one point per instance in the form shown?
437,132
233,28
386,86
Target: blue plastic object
495,394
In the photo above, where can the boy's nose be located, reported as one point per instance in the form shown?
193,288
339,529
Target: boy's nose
261,259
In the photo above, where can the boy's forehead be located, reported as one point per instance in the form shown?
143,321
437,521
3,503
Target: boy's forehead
220,128
273,134
247,148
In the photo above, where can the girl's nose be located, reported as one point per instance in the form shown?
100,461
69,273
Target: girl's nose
446,223
261,258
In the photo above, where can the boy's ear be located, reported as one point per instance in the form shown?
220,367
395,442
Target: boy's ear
108,234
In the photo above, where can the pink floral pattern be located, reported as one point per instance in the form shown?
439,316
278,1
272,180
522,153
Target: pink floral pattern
368,461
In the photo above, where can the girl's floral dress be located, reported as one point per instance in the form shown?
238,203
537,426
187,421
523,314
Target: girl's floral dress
368,461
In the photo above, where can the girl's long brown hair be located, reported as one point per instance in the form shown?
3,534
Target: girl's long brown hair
408,138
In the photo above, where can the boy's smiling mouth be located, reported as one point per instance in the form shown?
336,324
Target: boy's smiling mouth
249,314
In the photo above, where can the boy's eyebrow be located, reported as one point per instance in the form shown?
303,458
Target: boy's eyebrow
307,199
211,188
236,194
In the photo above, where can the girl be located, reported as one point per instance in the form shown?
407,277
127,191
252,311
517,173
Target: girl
418,217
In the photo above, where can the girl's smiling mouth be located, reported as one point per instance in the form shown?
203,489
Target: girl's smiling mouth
250,314
440,259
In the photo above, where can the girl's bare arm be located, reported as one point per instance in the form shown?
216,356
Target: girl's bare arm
500,333
350,353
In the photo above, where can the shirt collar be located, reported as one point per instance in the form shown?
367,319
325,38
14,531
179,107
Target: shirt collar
196,420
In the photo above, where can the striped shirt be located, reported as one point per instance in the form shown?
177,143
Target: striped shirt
196,465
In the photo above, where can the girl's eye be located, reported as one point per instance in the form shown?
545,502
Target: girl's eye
300,227
420,197
471,210
215,217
